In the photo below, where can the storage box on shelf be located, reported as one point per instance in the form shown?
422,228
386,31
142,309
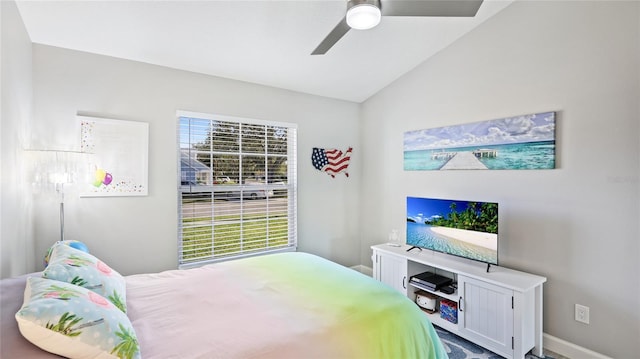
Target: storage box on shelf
500,310
427,301
449,311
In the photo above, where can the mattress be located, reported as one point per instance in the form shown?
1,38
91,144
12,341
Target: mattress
288,305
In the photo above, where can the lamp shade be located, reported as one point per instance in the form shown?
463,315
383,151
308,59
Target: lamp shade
56,168
363,16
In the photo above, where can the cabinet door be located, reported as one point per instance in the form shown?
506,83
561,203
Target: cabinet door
485,315
391,270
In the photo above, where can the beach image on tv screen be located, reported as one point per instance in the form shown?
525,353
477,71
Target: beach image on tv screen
461,228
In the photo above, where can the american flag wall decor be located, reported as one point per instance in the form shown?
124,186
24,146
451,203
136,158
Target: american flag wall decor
331,161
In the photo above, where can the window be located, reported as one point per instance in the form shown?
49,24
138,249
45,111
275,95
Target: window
237,191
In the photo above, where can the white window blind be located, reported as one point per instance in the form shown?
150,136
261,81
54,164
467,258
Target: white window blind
238,187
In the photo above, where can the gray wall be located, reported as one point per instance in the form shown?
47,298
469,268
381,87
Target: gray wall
139,234
577,224
16,246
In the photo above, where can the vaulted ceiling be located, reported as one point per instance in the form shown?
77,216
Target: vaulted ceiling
266,42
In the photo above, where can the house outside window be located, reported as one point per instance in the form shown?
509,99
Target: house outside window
237,187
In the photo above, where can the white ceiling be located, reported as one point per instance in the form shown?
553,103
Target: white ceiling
265,42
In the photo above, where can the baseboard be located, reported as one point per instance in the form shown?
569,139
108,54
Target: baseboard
569,350
363,269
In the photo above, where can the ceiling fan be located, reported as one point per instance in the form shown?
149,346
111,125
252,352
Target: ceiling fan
365,14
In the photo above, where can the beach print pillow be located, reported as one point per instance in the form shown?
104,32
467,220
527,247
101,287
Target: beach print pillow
74,322
74,266
72,243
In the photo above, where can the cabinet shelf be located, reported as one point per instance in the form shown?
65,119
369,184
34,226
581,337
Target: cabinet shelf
510,300
453,296
444,324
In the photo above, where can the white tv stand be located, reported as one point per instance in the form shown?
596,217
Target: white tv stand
500,310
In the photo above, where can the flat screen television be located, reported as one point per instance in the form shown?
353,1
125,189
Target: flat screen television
467,229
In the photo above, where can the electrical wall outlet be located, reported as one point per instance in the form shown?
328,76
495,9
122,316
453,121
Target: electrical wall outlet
582,314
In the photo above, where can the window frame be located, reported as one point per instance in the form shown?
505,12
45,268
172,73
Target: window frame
242,188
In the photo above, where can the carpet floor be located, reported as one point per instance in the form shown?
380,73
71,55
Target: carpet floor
459,348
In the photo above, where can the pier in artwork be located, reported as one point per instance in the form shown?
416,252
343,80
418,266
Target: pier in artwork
483,152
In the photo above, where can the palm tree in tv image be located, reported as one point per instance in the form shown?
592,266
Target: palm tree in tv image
482,219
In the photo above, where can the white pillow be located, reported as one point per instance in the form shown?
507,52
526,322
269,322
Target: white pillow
74,322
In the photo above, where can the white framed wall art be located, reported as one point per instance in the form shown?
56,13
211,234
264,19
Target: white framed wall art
119,157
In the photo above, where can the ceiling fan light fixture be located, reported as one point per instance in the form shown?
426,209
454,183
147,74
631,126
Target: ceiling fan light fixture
363,16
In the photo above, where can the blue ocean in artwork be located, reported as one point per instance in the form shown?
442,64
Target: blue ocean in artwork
515,156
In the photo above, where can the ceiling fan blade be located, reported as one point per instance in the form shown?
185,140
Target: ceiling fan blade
463,8
336,34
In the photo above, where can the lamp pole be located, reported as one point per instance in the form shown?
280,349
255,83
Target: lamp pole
60,190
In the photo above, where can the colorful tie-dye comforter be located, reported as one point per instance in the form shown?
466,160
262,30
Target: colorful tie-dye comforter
289,305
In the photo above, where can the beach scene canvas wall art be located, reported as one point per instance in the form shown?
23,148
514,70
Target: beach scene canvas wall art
525,142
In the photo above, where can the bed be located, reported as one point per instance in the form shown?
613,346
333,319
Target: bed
286,305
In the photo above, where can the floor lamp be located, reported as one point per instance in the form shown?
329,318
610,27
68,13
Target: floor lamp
53,170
